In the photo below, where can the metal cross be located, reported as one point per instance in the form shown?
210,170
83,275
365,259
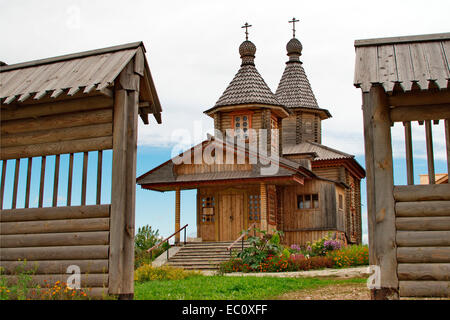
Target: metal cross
246,26
293,21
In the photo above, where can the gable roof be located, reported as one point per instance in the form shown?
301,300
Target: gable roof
82,72
165,173
422,60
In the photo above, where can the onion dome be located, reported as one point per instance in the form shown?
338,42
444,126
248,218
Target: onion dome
247,51
294,49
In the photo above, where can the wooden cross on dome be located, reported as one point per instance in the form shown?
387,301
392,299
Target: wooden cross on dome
293,21
246,26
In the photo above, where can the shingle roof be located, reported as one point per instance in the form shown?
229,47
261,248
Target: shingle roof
423,60
294,89
247,85
323,152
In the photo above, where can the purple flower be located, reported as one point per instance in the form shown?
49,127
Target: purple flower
295,247
332,245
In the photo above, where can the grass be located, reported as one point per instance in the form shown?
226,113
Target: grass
228,288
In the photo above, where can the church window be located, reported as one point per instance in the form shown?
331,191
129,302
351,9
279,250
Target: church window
307,201
241,125
207,214
254,207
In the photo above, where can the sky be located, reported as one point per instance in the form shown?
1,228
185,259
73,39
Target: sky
192,50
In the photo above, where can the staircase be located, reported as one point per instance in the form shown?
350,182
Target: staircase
203,255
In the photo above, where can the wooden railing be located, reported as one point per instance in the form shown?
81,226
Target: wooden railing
56,176
166,240
241,237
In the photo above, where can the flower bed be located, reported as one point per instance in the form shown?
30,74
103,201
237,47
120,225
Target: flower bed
267,255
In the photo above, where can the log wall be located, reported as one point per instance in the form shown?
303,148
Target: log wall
423,240
52,239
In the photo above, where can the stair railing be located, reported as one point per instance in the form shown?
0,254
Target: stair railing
241,238
166,240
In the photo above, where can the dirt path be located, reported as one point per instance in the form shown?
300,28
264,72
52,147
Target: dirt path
347,291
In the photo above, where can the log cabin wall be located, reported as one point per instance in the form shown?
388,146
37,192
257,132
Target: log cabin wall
309,224
93,108
53,238
405,79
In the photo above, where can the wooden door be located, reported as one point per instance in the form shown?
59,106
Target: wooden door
231,216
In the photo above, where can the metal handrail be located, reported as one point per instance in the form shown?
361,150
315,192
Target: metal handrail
241,238
167,240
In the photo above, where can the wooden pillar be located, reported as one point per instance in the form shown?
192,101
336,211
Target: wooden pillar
447,142
430,155
123,181
263,196
380,198
177,214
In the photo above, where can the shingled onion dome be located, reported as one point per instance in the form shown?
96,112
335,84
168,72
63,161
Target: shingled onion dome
294,49
294,89
247,85
247,51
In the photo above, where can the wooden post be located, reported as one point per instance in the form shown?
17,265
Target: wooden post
409,153
263,194
430,155
123,181
2,183
177,214
380,198
447,141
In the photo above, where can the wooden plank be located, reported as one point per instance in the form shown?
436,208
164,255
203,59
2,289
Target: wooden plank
424,271
56,135
430,154
423,254
447,142
69,180
381,205
424,288
421,193
409,153
2,183
402,39
56,267
366,70
423,224
420,67
50,226
75,119
422,209
405,69
28,187
87,280
42,183
437,64
55,182
177,214
54,239
55,253
53,148
387,70
423,238
99,176
16,184
421,98
420,112
84,178
55,213
118,192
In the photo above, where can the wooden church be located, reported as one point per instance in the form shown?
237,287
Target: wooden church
313,190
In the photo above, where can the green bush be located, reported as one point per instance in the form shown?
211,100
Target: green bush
145,239
148,273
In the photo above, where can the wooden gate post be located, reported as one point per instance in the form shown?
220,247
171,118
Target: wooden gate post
380,197
177,214
263,204
123,181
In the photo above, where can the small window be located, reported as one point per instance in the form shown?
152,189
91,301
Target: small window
341,202
307,201
241,125
254,207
